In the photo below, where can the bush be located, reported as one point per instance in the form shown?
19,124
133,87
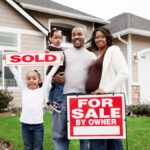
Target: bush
5,99
138,110
16,110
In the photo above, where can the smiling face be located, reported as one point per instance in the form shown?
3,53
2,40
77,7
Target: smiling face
78,37
32,80
56,38
100,40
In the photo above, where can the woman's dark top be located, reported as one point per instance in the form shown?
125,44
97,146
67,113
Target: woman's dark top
94,75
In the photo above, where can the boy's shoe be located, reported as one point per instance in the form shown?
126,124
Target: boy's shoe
54,106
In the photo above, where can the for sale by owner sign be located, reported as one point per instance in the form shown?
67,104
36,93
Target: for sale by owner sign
96,116
34,58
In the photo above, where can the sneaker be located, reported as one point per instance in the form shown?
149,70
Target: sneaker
48,103
55,106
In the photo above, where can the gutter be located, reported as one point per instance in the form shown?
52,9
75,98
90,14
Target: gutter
63,13
129,58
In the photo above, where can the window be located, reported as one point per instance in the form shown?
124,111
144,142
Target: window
9,78
6,77
8,42
66,31
66,26
8,39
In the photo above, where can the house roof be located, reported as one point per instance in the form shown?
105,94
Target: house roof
49,6
129,23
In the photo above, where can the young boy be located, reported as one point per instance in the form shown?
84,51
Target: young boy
56,92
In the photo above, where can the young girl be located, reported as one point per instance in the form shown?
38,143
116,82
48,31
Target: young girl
33,93
56,92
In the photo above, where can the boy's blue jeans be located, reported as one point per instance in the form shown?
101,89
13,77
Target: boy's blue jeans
56,93
59,129
33,136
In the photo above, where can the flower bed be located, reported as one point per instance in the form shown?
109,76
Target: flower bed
5,145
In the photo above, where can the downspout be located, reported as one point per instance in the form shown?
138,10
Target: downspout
129,60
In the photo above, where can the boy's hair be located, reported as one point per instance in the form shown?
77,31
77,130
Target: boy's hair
40,84
51,33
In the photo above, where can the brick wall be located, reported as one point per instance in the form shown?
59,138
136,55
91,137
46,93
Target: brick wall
135,94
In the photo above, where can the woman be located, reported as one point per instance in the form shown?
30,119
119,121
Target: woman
106,75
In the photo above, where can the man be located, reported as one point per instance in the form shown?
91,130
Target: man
78,60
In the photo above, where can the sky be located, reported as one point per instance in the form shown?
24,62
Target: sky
106,9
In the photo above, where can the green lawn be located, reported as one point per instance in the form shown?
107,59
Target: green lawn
138,133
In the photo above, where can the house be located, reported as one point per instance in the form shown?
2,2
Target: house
132,34
24,25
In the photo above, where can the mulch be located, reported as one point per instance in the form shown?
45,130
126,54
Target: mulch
9,113
5,145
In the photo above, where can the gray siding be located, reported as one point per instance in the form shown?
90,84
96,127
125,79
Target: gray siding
9,17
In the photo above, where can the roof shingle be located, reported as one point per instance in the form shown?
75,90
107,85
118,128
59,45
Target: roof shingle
126,21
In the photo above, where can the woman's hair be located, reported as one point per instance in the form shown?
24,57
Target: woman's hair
106,32
40,84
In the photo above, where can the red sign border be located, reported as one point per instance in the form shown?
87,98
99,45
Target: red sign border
31,64
97,137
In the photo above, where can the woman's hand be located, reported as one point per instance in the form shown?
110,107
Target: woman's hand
98,91
59,77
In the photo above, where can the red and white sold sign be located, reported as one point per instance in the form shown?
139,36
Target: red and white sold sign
96,116
34,58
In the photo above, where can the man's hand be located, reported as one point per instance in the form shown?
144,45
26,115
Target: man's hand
59,77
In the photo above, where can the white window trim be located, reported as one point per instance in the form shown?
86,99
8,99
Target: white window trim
18,48
12,47
21,31
3,83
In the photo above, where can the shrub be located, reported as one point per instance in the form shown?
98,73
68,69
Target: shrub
16,110
5,99
139,110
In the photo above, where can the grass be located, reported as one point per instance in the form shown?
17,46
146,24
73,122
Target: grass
10,130
138,133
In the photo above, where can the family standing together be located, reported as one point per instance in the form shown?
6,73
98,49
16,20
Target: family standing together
82,73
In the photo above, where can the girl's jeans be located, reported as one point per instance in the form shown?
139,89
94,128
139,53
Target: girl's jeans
33,136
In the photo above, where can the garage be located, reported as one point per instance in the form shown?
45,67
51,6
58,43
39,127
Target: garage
144,75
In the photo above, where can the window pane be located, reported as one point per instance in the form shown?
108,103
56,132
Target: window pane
0,69
9,78
8,39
